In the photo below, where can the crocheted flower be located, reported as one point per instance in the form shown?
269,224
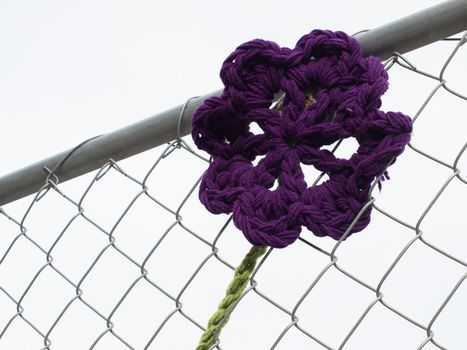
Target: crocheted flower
346,90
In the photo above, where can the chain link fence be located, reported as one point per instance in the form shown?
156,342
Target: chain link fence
127,258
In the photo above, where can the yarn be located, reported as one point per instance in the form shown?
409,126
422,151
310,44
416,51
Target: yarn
346,90
234,291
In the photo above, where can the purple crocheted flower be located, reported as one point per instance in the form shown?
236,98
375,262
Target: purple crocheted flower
346,90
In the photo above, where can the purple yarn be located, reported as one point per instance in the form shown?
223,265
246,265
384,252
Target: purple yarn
347,89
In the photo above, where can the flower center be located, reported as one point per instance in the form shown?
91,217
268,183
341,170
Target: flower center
292,142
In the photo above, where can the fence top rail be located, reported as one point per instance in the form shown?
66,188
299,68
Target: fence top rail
403,35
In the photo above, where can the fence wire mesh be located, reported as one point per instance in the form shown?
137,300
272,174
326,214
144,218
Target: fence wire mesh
128,259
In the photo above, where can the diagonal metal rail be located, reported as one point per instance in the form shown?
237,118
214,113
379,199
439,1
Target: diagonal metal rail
403,35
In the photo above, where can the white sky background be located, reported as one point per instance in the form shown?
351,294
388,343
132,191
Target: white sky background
73,70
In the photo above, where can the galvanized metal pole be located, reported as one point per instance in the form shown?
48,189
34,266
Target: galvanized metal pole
417,30
403,35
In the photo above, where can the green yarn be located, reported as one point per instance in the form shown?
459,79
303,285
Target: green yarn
234,291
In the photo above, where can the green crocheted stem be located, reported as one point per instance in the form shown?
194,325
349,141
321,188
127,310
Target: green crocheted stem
234,291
